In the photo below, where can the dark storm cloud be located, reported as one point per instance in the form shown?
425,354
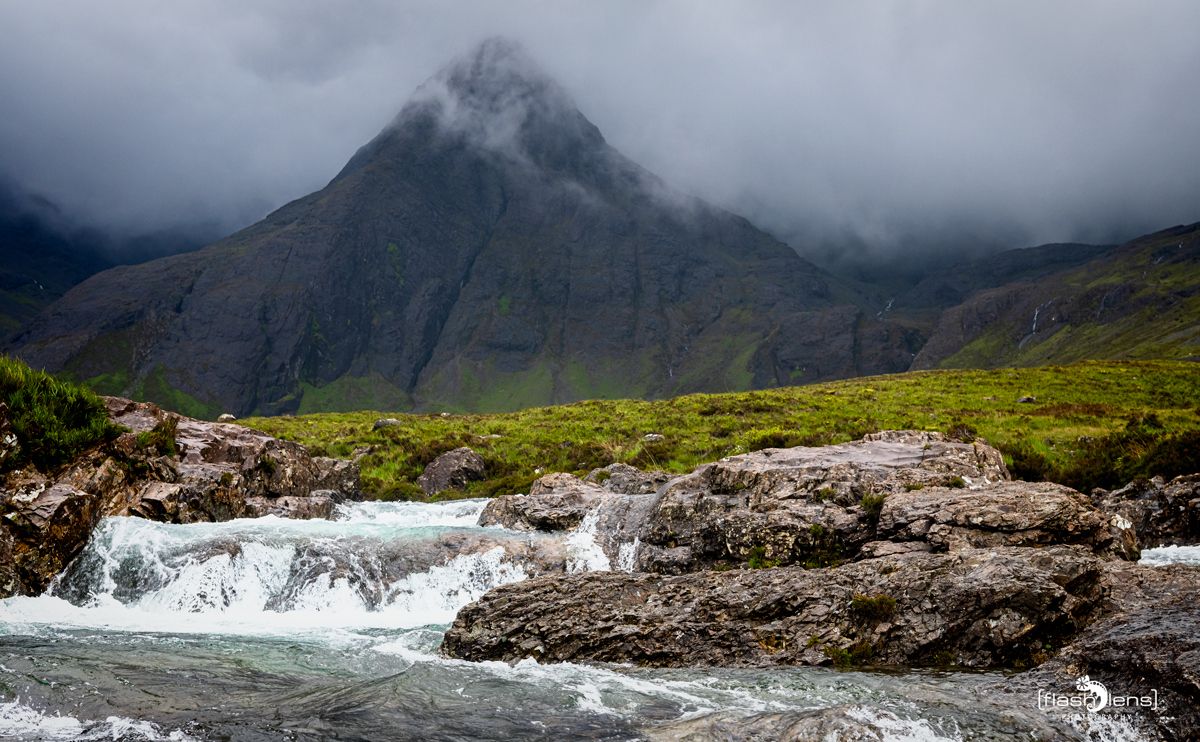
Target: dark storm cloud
878,124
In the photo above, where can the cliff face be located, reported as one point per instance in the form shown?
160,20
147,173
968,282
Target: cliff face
487,250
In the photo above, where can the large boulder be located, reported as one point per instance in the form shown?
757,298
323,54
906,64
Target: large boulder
556,502
983,608
1002,514
1162,513
452,470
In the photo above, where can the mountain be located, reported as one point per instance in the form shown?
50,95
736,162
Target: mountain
487,250
1138,300
39,260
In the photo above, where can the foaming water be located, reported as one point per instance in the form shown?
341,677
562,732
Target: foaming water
1164,555
268,628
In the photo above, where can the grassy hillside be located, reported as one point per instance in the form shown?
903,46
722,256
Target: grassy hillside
1140,301
1092,424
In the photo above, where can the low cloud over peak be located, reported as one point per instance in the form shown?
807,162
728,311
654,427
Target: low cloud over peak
884,127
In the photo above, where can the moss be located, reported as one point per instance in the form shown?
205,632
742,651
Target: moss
160,439
757,559
955,483
873,608
859,653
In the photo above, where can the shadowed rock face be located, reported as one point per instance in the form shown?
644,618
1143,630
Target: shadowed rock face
1162,513
974,608
489,250
219,472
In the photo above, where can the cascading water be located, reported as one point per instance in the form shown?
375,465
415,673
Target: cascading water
270,628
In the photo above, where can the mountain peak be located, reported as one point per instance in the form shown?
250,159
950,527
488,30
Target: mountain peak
498,98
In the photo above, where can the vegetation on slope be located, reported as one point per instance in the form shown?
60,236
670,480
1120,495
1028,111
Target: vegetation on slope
1091,424
52,420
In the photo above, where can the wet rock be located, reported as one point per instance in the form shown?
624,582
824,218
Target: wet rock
1027,399
862,722
1149,642
42,530
318,504
1161,513
386,422
556,502
1003,514
973,608
452,471
217,471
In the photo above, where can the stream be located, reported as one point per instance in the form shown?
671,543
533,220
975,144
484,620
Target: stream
271,629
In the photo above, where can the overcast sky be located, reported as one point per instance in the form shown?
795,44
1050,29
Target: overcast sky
881,122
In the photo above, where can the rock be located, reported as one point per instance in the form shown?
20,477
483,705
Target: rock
218,472
42,530
1149,642
386,422
1003,514
1027,400
653,437
226,418
318,504
981,608
866,722
9,446
452,471
624,479
800,505
556,502
1161,513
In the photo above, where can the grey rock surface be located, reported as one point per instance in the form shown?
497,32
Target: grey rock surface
452,471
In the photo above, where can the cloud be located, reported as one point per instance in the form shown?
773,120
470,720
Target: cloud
879,125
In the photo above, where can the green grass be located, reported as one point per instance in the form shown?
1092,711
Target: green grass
1078,409
53,420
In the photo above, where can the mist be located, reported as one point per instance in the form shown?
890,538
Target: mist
852,130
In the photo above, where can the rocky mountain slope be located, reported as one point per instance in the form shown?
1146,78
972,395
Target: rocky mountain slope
487,250
1138,300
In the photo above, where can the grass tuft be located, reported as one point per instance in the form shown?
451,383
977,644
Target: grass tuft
53,421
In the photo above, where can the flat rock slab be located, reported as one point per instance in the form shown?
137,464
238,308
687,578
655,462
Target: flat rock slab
981,608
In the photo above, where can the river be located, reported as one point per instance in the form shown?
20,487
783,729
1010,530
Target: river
271,629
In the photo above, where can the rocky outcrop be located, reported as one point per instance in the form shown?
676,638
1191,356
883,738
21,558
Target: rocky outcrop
1162,513
167,468
801,505
891,492
452,470
1002,514
1147,645
997,607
